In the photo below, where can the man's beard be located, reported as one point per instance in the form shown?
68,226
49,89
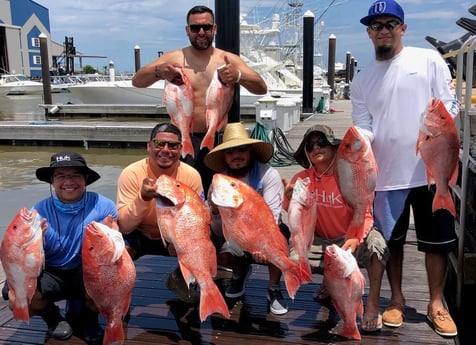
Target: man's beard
203,45
240,172
384,52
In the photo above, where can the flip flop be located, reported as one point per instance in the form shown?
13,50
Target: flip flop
367,319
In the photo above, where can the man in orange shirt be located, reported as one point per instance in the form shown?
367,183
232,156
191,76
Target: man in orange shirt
317,153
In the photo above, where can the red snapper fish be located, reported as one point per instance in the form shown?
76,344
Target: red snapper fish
302,217
345,283
22,257
249,223
178,100
109,275
184,221
219,100
356,172
438,143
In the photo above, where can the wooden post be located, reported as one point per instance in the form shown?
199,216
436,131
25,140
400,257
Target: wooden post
308,62
137,57
45,71
331,65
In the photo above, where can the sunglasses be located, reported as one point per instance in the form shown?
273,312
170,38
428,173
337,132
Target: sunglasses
73,177
240,149
321,143
378,26
195,28
160,144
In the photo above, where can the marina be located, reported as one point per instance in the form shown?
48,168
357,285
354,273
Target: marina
157,317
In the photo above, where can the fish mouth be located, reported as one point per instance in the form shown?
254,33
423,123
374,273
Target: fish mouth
164,202
423,128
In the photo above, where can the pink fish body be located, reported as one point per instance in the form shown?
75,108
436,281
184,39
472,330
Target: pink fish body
249,223
22,256
109,276
178,100
219,100
438,143
302,217
345,283
356,171
184,221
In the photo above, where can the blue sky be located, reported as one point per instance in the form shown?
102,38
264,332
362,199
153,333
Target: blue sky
113,28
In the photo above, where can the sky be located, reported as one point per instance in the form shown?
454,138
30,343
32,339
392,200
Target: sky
113,28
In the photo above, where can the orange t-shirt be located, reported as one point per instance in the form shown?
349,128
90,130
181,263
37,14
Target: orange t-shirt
333,214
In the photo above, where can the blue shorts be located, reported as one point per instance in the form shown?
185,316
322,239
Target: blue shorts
435,232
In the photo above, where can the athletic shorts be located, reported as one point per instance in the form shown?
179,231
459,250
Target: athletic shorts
435,232
139,245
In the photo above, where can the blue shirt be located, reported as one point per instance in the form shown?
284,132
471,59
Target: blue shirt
64,236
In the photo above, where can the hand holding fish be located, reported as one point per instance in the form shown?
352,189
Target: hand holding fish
228,73
168,71
147,191
352,244
288,188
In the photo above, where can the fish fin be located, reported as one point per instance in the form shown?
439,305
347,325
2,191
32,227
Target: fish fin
211,301
294,276
350,330
188,149
306,268
114,333
444,201
21,312
208,140
187,274
454,176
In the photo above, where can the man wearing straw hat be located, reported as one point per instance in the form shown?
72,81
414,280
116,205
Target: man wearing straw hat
246,159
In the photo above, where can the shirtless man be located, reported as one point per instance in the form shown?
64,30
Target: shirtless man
200,60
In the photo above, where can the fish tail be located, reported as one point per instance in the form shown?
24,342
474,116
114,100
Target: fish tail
188,149
305,267
350,330
21,313
444,201
208,140
211,301
114,333
294,276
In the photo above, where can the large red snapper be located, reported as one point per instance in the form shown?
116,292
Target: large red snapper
248,222
438,143
109,276
178,100
218,100
22,257
356,172
302,217
345,283
184,221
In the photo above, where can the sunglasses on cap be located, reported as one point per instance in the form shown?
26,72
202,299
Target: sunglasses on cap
195,28
160,144
321,143
241,149
390,25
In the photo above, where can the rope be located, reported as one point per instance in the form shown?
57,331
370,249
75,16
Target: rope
283,152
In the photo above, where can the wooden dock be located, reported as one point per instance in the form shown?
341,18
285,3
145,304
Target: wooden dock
158,317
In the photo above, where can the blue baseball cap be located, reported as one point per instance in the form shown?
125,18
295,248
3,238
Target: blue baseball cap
382,8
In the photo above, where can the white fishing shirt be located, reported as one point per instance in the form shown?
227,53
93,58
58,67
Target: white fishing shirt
388,100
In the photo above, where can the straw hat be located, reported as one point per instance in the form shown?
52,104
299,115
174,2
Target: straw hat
235,135
300,154
66,159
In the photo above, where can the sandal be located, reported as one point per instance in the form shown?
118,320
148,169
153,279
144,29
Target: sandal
369,319
321,294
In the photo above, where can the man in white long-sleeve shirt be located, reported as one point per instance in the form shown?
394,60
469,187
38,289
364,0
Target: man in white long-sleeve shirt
388,98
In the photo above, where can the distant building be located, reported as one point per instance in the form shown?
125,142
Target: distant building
21,23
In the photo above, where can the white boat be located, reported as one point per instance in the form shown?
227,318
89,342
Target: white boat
18,84
117,92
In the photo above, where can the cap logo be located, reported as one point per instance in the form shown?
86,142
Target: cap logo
63,158
379,7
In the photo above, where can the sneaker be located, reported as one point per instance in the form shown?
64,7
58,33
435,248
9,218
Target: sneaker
393,315
442,323
237,284
177,284
277,303
58,327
